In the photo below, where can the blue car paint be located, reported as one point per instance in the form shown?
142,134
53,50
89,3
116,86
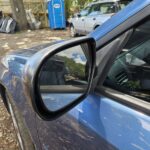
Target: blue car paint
121,126
56,101
11,76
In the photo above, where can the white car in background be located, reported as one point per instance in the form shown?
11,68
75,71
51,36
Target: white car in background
94,15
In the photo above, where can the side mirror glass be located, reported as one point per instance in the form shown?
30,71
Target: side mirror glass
64,78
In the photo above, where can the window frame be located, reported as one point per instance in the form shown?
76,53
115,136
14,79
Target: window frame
125,99
118,96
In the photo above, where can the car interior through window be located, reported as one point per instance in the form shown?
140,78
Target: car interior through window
130,72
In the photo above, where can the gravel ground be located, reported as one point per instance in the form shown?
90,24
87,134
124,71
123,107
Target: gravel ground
11,42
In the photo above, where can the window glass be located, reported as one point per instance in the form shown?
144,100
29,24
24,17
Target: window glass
95,7
130,72
108,8
104,8
85,11
123,4
68,67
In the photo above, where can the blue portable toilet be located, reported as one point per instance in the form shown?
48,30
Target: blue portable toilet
56,13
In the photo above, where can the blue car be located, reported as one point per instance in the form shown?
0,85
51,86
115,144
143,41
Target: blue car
88,93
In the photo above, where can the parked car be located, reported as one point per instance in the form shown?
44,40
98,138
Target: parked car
82,13
95,15
86,93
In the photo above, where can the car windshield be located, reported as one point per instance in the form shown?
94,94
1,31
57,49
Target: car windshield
104,8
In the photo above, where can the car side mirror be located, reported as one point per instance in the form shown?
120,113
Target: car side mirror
61,76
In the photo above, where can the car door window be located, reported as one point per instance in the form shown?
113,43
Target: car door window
104,8
108,8
130,72
123,4
85,11
95,7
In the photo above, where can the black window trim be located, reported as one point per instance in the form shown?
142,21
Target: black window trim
125,99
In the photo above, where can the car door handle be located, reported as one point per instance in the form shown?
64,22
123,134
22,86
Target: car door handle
94,18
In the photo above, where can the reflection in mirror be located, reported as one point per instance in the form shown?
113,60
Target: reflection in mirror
78,15
64,77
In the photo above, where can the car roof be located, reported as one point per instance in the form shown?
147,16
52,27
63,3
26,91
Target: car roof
120,17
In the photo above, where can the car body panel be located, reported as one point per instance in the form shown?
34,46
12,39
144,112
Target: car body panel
11,79
115,122
12,67
96,123
79,24
93,21
123,127
73,135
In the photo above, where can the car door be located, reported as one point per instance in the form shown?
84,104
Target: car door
79,20
90,21
75,129
67,132
116,114
79,24
125,93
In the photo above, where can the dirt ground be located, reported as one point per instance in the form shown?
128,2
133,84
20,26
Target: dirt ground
11,42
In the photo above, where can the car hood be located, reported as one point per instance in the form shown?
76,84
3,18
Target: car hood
16,60
26,53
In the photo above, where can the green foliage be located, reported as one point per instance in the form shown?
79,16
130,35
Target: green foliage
133,84
68,5
74,6
75,69
82,3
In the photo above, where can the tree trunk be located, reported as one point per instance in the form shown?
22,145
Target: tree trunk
19,14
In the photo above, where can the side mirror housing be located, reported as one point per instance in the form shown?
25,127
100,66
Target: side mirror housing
59,77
